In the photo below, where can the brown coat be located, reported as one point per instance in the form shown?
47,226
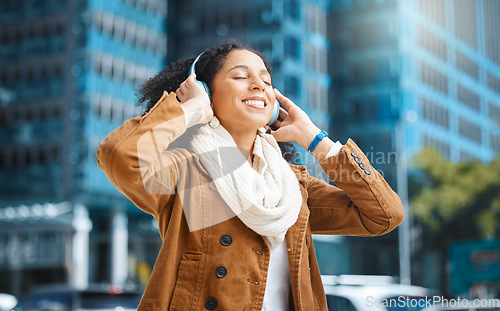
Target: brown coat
187,274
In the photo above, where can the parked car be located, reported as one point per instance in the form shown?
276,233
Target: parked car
66,298
7,302
374,293
466,305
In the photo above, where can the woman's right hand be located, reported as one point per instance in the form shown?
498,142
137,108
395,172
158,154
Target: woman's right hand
194,101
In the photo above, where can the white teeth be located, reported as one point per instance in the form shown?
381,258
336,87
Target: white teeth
255,103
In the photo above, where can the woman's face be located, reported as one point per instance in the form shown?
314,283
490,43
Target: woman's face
242,94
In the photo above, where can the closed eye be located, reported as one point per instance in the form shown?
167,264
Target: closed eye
242,78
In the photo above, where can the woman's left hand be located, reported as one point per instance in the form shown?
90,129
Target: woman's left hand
296,125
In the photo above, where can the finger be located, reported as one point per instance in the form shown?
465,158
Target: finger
280,135
191,77
179,92
287,103
283,113
273,125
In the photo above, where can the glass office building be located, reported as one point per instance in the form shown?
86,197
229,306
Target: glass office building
415,73
431,65
68,70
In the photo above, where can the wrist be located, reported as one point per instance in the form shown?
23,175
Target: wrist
192,112
309,133
317,140
321,148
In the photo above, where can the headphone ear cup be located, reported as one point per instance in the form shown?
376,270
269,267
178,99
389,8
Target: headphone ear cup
276,112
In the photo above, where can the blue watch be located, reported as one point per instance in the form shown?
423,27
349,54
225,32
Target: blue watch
316,140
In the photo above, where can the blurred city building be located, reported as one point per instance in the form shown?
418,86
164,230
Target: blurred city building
416,73
68,70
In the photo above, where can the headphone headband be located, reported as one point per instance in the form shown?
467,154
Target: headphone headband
203,84
192,68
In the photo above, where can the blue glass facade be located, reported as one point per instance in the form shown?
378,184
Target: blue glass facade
431,64
68,71
415,73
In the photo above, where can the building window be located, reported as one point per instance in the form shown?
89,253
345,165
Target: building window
432,43
469,130
434,113
372,33
292,9
292,47
491,25
292,86
494,113
365,108
317,59
433,78
364,71
493,83
468,97
121,29
467,65
437,144
158,7
119,69
495,142
316,20
318,96
434,10
265,46
466,156
465,10
112,109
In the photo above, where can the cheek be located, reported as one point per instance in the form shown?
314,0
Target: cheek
224,107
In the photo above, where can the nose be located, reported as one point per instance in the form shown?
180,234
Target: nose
256,83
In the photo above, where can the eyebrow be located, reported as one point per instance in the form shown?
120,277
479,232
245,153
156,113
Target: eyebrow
264,70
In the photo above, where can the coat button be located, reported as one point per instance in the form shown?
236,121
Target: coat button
221,271
354,154
226,240
211,303
362,166
357,160
368,172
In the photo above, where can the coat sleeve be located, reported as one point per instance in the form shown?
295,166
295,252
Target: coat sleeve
363,204
134,155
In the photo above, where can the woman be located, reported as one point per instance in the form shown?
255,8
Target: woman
235,218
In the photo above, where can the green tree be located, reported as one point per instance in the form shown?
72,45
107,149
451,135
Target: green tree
451,202
456,200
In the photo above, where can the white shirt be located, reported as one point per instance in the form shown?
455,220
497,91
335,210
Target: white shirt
278,280
277,292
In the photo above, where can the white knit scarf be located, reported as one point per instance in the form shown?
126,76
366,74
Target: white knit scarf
266,197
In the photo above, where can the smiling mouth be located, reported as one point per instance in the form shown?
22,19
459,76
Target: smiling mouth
255,103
